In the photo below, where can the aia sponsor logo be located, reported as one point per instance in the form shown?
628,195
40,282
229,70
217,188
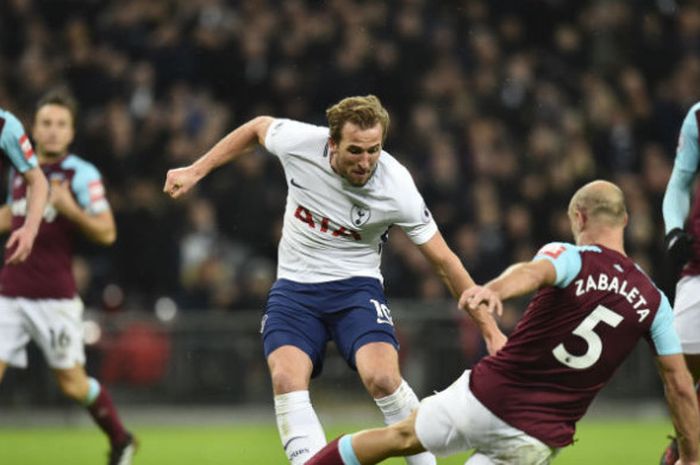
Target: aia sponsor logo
26,147
324,224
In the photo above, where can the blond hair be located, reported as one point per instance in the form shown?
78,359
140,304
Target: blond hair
602,201
365,112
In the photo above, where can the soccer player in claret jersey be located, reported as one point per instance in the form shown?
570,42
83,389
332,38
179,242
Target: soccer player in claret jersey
683,248
38,298
344,194
16,146
521,405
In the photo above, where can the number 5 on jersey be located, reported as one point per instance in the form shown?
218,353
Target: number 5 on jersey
586,330
383,313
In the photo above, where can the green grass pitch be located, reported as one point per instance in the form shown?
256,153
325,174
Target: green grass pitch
599,442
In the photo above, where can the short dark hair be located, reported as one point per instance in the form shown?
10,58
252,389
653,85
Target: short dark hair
62,98
365,112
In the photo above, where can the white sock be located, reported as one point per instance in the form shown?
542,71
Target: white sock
300,431
398,406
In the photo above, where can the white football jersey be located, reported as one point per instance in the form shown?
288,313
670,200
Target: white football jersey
332,229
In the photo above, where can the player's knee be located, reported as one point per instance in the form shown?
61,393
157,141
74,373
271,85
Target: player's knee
285,380
380,384
73,388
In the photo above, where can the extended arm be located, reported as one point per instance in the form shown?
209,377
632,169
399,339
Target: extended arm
179,181
682,403
523,278
675,210
676,203
22,240
450,269
519,279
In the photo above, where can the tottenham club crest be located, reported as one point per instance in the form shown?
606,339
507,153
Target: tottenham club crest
359,215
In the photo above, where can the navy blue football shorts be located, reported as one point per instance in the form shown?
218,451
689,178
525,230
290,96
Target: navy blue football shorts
352,312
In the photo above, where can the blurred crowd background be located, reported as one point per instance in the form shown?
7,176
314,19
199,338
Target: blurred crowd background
500,109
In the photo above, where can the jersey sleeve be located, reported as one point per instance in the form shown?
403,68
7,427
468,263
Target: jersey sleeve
287,137
16,144
663,334
566,259
416,220
676,204
89,190
687,150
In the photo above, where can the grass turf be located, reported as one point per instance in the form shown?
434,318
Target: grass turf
599,442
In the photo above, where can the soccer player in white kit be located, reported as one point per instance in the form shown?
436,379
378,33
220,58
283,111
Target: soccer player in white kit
344,194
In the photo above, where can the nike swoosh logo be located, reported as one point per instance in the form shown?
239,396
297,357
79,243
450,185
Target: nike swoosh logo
286,444
293,183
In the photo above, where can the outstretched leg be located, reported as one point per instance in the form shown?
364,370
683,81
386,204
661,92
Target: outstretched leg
371,446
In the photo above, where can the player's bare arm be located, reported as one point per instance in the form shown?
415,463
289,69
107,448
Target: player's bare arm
519,279
683,405
5,219
22,240
99,228
450,269
180,180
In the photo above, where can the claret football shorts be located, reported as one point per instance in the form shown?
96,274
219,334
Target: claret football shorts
453,421
352,312
686,313
55,325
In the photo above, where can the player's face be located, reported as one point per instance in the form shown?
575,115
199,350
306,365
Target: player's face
53,130
356,155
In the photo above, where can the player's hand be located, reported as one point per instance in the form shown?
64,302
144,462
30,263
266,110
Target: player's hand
478,295
61,197
179,181
20,244
678,247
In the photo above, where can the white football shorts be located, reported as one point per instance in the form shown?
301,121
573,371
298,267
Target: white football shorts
686,313
55,325
453,421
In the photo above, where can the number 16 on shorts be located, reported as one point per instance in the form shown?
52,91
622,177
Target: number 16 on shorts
383,312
